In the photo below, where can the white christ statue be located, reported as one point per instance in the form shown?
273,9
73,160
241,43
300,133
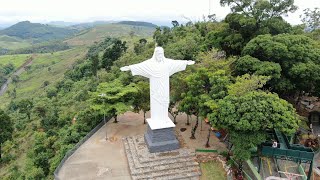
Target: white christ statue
158,69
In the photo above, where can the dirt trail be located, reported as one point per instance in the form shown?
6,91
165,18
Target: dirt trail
20,70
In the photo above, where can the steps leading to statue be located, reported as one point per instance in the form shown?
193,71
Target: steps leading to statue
147,161
177,164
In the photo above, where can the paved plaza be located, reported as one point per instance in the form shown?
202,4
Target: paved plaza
101,159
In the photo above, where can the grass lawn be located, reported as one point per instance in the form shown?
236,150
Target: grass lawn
16,59
212,170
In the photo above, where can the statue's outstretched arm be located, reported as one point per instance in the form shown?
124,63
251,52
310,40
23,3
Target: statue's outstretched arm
125,68
189,62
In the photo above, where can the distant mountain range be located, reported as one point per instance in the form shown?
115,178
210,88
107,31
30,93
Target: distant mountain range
138,23
38,32
87,25
94,23
26,34
58,29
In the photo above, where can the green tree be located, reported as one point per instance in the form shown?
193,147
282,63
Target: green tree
311,18
178,86
41,108
251,65
13,94
51,92
8,68
117,98
42,151
162,36
247,83
197,84
141,101
173,110
249,115
113,53
261,9
203,89
6,128
241,29
34,173
94,64
297,55
15,79
25,106
175,23
248,19
45,83
50,121
139,46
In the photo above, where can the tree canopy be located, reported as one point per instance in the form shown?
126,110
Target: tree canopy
297,55
261,9
6,128
247,112
112,98
311,18
255,111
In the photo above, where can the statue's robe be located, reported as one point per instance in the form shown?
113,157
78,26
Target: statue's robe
158,73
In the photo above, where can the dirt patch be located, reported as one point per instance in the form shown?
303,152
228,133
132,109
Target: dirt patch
201,135
203,158
183,129
113,139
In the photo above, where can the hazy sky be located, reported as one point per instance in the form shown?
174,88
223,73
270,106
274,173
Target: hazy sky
12,11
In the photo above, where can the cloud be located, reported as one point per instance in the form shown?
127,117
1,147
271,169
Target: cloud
90,10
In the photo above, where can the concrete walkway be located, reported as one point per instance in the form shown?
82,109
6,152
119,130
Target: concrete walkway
101,159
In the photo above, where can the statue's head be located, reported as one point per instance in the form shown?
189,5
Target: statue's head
159,54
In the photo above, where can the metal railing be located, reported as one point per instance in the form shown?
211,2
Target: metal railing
71,151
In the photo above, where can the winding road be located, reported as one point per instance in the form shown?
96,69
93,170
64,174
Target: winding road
20,70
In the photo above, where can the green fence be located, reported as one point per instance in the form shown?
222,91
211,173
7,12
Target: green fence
207,150
254,170
296,155
301,171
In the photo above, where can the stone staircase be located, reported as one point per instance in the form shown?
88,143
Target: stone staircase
177,164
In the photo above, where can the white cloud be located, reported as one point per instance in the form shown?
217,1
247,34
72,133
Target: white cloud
90,10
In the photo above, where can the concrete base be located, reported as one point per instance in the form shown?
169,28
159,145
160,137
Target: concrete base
177,164
159,140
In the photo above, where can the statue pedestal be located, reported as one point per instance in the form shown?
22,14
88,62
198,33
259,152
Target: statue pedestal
160,136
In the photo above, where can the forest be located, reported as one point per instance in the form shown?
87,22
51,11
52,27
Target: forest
251,69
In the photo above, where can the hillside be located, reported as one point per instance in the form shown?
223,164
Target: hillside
87,25
32,80
98,33
16,60
138,23
12,43
37,32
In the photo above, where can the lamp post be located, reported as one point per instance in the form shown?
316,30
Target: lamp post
104,114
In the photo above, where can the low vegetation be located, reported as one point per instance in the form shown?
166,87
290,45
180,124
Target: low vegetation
212,170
